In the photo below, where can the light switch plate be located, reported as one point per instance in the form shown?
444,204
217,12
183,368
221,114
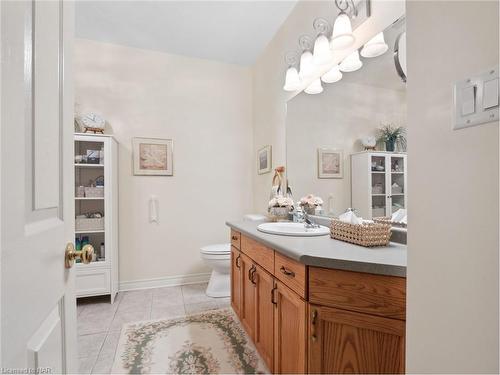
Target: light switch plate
476,100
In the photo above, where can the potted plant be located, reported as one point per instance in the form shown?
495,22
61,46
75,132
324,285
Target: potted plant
279,207
309,203
393,136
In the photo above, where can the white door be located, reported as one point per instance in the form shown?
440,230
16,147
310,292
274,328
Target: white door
38,310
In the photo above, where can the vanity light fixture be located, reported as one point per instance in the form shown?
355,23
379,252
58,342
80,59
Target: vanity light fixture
315,87
306,59
292,79
322,52
342,36
332,76
376,46
351,63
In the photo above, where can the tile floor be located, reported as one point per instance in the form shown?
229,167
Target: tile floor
100,323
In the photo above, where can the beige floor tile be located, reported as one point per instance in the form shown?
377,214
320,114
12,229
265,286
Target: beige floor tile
96,325
194,308
103,364
223,302
90,345
110,343
86,365
195,293
124,317
167,311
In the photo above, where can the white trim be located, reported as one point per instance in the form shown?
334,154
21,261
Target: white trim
194,278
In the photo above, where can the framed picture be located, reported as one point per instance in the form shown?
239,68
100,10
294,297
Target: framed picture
152,156
330,163
264,160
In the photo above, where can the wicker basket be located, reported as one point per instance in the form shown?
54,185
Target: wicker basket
82,224
368,234
94,192
388,220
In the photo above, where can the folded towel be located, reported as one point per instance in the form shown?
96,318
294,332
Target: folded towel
398,215
350,217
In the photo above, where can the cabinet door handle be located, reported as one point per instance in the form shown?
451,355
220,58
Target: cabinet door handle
237,261
234,238
313,325
287,272
273,301
253,275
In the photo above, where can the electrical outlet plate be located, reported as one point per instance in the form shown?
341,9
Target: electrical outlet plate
471,107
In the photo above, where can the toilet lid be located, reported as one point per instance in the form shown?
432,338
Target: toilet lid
224,248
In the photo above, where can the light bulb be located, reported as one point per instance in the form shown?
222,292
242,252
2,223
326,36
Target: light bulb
376,46
306,65
315,87
322,53
351,62
342,36
292,80
333,75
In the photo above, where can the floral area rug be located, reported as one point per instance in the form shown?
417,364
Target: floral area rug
212,342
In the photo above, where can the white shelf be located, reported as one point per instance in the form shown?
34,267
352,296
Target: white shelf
88,198
381,172
397,172
89,231
78,165
378,195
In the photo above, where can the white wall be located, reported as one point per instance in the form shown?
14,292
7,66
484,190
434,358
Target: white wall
452,324
206,108
338,118
269,99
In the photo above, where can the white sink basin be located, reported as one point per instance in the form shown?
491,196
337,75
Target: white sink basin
292,229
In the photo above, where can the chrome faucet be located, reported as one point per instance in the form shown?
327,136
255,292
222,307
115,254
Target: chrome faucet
308,222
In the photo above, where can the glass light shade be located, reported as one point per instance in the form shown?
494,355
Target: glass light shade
292,80
376,46
306,65
322,53
333,75
351,63
315,87
342,36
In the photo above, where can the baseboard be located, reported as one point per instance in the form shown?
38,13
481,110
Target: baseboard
160,282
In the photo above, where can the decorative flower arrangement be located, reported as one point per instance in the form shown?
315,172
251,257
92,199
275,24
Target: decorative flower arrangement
280,207
281,201
310,202
393,136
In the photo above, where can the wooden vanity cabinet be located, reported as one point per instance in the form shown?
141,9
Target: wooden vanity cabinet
342,341
305,319
236,280
264,315
290,341
247,312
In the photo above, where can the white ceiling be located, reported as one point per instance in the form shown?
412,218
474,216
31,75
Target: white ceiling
229,31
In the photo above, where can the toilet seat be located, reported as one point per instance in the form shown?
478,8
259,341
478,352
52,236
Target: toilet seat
219,249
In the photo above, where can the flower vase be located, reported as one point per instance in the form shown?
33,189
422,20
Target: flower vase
279,213
390,145
310,210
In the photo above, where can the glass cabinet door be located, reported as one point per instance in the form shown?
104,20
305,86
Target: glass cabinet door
379,166
397,190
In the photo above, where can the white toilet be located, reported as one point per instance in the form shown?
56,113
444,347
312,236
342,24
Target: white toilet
218,257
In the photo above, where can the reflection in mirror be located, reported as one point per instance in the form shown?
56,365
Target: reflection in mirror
335,148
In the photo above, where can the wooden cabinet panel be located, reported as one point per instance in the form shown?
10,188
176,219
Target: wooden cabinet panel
264,323
290,341
236,239
291,273
248,290
259,253
342,341
355,291
236,280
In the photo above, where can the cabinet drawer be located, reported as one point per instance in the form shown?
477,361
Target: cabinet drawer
93,282
259,253
236,239
355,291
291,273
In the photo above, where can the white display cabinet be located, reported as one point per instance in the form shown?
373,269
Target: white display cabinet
378,183
96,213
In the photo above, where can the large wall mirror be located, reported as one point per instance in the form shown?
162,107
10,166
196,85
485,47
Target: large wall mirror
330,137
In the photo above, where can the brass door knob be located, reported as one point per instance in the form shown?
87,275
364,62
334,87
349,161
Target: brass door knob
71,254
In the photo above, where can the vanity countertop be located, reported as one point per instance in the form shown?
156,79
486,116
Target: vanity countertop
329,253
